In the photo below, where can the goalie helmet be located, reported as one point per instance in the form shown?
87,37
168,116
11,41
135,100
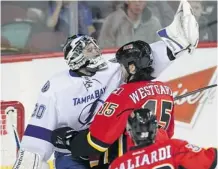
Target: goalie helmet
142,127
136,58
83,52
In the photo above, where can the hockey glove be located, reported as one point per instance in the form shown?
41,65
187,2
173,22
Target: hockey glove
183,33
62,137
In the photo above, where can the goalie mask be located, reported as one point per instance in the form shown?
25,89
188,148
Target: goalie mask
142,126
83,52
136,58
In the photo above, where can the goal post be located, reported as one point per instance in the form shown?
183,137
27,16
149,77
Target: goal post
12,114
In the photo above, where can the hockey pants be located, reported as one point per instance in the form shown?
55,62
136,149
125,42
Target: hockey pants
65,161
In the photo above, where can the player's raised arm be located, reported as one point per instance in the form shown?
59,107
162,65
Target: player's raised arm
36,147
180,36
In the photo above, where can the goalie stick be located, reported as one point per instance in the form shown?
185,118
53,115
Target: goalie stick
8,112
193,92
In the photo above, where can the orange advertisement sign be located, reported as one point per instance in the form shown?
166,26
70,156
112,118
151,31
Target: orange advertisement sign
188,108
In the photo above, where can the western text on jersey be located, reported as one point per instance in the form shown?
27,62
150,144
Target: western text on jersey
142,92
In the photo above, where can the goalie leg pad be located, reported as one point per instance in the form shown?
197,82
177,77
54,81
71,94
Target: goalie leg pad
29,160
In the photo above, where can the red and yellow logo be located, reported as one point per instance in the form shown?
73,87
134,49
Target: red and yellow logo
188,108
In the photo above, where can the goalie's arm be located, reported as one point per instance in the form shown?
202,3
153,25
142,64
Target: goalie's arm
183,33
162,57
180,36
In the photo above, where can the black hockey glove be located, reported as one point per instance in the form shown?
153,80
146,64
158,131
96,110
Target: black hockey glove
62,137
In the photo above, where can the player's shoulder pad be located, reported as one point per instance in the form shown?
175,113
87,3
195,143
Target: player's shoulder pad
120,90
56,83
45,87
178,142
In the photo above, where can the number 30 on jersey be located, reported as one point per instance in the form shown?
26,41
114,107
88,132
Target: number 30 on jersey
39,111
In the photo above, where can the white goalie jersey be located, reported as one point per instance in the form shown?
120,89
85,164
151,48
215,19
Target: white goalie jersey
67,100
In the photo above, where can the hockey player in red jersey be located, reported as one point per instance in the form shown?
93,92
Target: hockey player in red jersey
162,154
139,92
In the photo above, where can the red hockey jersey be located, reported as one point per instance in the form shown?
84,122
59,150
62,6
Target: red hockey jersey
168,154
110,121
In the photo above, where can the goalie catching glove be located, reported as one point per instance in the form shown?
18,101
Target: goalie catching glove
183,33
